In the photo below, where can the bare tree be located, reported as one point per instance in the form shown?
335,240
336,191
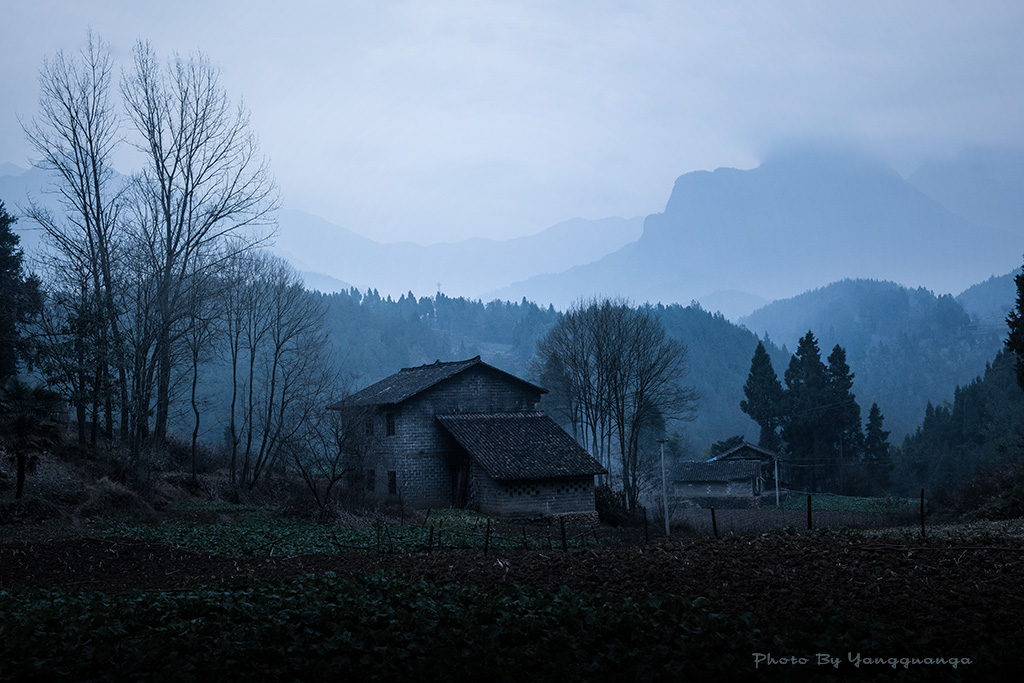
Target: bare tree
336,448
75,136
622,377
204,180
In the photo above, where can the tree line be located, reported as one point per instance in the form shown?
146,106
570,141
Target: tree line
146,278
616,377
815,421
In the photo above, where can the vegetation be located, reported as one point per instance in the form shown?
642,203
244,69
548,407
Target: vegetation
380,627
616,377
816,420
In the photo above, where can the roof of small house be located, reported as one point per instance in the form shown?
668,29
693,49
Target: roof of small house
717,471
745,451
409,382
515,446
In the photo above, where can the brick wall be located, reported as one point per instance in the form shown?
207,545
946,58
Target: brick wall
420,451
531,498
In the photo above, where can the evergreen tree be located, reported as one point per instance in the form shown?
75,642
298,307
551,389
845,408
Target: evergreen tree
1015,321
764,402
807,394
842,420
876,448
19,297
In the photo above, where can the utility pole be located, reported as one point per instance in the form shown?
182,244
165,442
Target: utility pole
664,486
776,480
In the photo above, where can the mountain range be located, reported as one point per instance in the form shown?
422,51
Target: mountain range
732,240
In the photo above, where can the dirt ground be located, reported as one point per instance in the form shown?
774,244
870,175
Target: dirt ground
958,594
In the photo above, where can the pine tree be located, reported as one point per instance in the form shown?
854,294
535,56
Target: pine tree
807,394
1015,321
764,402
842,419
876,448
19,297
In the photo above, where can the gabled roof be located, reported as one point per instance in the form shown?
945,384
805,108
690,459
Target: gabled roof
409,382
717,471
511,446
737,453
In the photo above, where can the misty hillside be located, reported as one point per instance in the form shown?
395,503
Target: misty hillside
984,186
787,226
467,268
906,346
334,258
990,301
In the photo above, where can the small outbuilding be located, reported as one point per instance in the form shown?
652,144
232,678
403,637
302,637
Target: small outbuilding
466,434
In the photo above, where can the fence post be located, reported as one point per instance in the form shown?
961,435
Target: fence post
922,513
525,545
427,518
647,537
487,537
561,523
809,525
714,524
430,541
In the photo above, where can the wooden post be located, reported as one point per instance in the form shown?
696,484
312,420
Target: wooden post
922,513
561,523
487,536
597,541
714,524
809,525
430,541
427,518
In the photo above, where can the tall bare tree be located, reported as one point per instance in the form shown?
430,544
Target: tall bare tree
622,376
204,180
76,135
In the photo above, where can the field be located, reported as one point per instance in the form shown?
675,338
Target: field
240,593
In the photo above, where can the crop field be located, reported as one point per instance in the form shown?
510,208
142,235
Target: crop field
250,595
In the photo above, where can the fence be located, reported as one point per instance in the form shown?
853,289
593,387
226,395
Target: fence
816,512
486,534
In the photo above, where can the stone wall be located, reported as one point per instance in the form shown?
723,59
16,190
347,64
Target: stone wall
423,455
531,498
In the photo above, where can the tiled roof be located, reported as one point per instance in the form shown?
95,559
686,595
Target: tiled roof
717,471
409,382
738,454
510,446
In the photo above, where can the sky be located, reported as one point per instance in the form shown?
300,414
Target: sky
431,121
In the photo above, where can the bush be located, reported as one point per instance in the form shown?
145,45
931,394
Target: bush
612,508
111,501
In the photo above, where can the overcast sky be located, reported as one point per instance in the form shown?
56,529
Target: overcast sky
437,121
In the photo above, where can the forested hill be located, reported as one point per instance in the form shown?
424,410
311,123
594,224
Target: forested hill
906,346
375,336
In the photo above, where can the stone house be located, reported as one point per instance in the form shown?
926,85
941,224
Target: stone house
744,471
717,479
466,434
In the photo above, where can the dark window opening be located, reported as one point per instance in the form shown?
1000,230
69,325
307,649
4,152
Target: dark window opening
371,480
390,419
392,482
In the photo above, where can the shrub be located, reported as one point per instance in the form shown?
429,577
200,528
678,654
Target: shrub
111,501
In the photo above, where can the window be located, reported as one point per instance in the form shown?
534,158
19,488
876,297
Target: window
371,480
390,420
392,482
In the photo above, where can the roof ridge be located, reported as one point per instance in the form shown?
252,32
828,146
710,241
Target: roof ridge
439,364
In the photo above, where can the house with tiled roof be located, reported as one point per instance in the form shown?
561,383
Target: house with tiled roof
743,471
467,434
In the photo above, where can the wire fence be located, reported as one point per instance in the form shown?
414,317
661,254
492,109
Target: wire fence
486,534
